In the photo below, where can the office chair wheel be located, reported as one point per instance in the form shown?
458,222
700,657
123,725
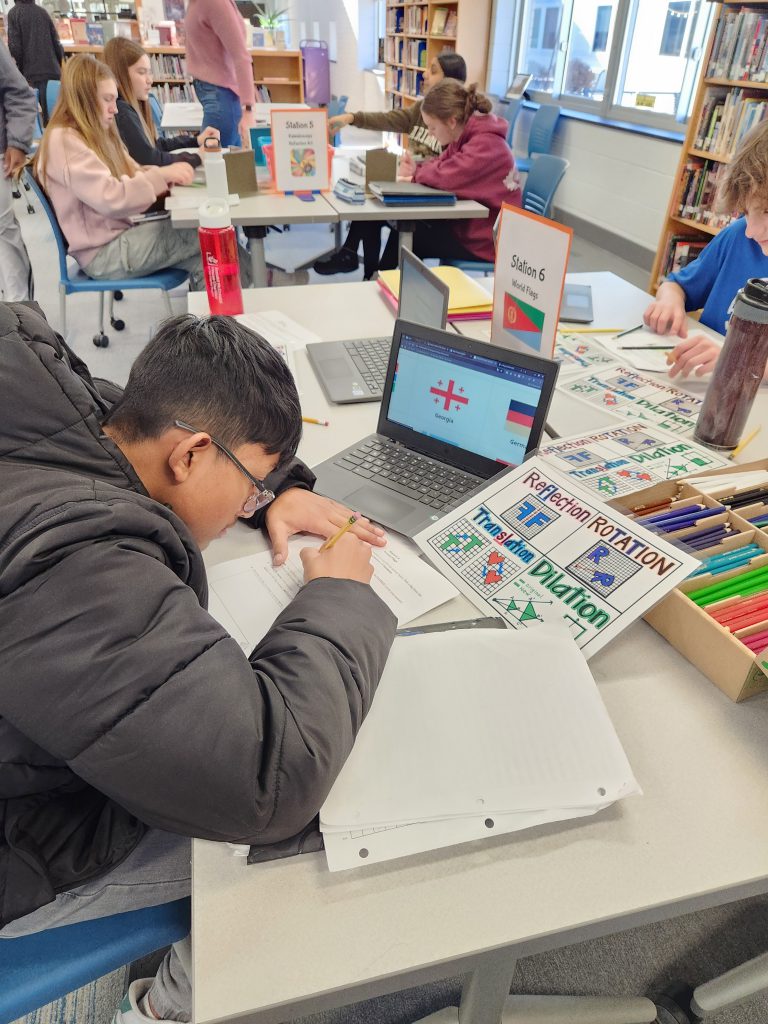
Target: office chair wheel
674,1006
119,325
101,340
15,193
118,297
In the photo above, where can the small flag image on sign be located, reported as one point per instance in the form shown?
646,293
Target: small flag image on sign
523,321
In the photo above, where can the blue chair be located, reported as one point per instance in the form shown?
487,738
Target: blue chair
157,112
164,280
52,89
337,106
540,136
510,111
545,175
36,969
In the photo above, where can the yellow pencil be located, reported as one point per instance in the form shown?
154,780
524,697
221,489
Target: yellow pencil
312,419
587,330
332,540
743,444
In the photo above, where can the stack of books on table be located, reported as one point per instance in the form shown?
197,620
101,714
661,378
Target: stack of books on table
467,300
410,193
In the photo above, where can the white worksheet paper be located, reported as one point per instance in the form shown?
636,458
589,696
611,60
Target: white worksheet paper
247,594
279,327
533,545
472,724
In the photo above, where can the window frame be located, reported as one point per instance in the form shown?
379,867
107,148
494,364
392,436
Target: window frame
616,69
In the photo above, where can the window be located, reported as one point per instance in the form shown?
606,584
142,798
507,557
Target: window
602,25
674,29
630,60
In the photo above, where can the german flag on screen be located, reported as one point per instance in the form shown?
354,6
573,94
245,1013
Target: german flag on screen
523,321
520,420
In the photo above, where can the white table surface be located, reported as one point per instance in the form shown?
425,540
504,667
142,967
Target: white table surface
179,116
273,941
264,209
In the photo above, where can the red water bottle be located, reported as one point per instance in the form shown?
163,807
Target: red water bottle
221,265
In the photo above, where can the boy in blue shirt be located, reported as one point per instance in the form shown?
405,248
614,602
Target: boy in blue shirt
711,281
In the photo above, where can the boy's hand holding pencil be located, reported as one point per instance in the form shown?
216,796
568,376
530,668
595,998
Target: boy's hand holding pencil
342,556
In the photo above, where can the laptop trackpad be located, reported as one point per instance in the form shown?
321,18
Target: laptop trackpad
377,502
335,367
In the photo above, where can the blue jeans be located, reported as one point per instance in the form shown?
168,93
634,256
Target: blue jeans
221,109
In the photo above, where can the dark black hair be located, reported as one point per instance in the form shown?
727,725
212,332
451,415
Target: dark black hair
216,375
453,65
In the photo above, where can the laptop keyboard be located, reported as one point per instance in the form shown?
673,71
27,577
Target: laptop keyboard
431,483
370,357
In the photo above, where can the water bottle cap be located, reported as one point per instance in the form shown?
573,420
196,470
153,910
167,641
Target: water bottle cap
214,213
756,291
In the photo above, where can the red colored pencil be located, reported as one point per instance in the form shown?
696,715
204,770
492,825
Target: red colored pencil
751,618
737,611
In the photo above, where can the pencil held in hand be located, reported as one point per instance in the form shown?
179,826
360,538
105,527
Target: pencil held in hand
332,540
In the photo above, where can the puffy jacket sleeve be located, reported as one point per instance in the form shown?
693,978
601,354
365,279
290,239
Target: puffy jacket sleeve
146,697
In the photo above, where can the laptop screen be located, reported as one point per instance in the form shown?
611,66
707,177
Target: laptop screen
423,296
480,403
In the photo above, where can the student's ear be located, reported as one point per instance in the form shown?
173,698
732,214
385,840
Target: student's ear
183,459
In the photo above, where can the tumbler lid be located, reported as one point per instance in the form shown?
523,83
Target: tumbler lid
214,213
756,291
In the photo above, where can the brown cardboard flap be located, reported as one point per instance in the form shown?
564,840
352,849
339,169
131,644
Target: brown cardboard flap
380,165
241,172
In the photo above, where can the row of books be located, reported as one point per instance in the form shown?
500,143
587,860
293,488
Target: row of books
416,53
413,83
725,117
444,22
167,65
416,20
698,188
181,92
393,51
681,250
740,49
395,21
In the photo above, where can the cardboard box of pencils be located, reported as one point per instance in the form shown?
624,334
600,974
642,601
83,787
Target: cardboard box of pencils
717,646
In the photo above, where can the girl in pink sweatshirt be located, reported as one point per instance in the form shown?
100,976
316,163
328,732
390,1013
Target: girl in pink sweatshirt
475,163
95,187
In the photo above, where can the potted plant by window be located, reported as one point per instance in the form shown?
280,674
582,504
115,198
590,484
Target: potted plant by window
269,19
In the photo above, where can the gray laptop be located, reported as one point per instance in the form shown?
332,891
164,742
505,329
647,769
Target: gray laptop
454,413
354,371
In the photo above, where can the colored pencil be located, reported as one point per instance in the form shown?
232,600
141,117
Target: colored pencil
682,510
631,330
311,419
743,444
730,587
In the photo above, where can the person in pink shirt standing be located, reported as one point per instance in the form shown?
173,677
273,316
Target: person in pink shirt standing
220,65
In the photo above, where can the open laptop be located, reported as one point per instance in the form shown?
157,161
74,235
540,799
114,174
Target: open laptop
354,371
454,413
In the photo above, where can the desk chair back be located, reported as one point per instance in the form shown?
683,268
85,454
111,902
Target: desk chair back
541,133
38,968
337,106
157,112
52,90
545,175
58,235
510,111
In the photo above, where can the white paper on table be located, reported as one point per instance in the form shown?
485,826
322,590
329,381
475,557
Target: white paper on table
188,197
579,352
352,849
282,345
277,326
247,594
481,721
652,360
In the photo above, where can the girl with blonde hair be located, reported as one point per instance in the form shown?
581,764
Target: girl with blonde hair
132,69
95,187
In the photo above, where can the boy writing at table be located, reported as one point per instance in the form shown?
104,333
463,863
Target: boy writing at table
738,252
129,719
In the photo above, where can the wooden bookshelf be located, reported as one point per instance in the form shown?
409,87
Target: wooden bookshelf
419,30
738,44
279,71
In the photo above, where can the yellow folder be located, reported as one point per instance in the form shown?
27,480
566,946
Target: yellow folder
465,296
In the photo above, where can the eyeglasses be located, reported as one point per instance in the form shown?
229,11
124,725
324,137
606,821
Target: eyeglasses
261,495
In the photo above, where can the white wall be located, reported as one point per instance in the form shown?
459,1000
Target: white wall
354,40
618,180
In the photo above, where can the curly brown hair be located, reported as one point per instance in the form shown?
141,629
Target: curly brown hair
746,176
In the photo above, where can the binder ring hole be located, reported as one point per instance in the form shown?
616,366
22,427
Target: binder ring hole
601,791
363,853
489,822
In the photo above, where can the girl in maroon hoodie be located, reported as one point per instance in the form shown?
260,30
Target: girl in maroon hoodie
476,163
